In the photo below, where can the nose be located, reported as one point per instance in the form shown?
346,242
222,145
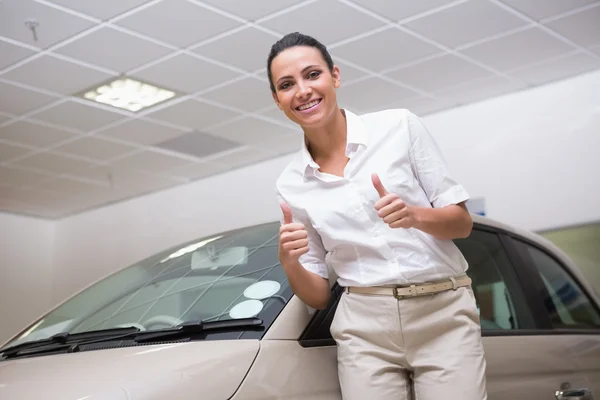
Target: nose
303,91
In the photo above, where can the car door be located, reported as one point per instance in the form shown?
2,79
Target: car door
571,313
523,360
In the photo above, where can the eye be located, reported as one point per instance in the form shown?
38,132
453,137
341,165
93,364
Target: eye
314,75
284,85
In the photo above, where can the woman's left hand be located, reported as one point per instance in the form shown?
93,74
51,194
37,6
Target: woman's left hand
393,211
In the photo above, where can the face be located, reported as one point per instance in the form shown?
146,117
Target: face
304,86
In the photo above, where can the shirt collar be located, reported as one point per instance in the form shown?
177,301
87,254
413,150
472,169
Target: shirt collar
356,135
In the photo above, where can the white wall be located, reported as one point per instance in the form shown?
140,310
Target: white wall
532,155
26,252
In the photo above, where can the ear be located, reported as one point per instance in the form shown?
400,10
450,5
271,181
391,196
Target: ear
337,79
276,99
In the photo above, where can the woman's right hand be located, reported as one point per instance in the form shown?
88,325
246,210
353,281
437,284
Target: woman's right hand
293,238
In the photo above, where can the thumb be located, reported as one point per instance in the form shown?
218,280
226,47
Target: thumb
378,185
287,213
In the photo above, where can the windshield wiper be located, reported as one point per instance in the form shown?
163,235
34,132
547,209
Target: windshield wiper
66,340
71,343
199,327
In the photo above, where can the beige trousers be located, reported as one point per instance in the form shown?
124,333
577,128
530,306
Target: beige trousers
421,348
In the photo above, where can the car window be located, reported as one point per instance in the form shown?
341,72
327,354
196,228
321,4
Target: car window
564,300
500,300
231,275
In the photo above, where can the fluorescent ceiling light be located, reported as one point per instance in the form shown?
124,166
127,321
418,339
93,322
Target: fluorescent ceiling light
129,94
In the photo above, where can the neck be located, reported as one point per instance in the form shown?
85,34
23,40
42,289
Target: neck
328,140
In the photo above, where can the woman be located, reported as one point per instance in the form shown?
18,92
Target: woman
371,198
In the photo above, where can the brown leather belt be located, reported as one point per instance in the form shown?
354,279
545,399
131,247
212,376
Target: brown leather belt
402,292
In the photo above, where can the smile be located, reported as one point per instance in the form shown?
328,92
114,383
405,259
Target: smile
308,106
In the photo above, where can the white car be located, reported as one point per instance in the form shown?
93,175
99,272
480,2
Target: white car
216,319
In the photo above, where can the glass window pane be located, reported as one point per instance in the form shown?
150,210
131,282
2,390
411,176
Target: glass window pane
499,298
567,305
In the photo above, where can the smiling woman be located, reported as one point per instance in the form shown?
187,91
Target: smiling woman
370,197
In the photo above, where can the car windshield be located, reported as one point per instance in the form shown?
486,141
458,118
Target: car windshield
230,275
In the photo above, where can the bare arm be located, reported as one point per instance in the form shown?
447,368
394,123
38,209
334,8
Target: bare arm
311,288
445,223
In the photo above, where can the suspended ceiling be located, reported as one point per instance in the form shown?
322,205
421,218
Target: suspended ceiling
61,154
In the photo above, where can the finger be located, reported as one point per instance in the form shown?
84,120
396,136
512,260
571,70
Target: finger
378,185
394,216
294,245
287,213
401,223
386,200
295,235
299,252
293,227
391,207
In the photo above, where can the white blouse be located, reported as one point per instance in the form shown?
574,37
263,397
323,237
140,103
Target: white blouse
344,231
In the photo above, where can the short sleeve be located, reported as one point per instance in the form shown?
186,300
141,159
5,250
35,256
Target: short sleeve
430,167
314,260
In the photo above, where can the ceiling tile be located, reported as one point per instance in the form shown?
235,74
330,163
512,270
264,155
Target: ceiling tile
111,175
49,73
439,72
185,74
317,21
35,197
67,186
178,22
374,51
249,94
466,22
52,163
12,53
198,144
525,47
16,100
582,28
32,134
252,10
243,157
193,114
4,117
276,114
239,49
54,25
595,50
481,89
95,149
141,132
397,10
197,170
284,144
250,130
560,68
372,94
103,10
150,161
77,116
12,151
20,177
124,53
347,73
540,9
425,105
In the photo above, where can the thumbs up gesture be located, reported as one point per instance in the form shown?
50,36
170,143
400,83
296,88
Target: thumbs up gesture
391,208
293,238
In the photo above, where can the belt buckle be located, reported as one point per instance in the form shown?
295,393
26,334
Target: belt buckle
412,289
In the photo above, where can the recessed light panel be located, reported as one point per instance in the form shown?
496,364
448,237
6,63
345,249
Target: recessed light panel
129,94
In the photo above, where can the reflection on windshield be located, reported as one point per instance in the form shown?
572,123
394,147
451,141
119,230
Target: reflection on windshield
232,275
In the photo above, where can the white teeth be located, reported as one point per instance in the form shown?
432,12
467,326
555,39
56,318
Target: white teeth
308,105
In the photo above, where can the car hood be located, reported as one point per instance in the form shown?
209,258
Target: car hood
200,370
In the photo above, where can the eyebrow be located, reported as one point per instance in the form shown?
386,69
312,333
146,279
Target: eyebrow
304,69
